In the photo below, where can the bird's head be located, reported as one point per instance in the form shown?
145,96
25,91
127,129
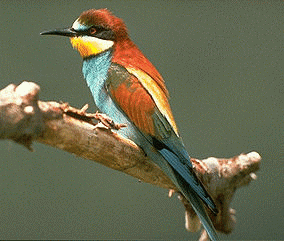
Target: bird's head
93,32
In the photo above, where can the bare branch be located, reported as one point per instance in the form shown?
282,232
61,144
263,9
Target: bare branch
24,119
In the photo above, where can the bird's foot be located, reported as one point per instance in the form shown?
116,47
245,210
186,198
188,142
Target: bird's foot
108,122
81,114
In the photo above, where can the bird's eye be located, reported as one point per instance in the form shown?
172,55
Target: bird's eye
92,30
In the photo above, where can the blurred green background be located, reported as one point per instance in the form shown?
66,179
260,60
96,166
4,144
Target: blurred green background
222,62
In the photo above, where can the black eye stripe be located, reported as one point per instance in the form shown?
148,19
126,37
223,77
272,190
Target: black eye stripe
106,35
102,33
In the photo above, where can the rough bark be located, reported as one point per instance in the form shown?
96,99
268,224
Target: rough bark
25,119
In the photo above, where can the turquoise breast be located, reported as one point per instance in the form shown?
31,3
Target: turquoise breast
95,71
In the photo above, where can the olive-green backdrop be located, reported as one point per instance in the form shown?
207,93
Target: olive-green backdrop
223,65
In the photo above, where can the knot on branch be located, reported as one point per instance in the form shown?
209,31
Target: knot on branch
20,115
222,177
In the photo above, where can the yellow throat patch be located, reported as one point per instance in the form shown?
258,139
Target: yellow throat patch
87,45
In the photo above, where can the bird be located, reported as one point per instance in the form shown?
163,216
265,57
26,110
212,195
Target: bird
128,88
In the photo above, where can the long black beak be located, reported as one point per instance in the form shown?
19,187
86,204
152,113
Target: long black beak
68,32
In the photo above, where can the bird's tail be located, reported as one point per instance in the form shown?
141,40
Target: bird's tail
178,167
197,205
189,190
184,187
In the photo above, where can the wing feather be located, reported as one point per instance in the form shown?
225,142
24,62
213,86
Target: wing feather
134,100
157,94
143,101
148,108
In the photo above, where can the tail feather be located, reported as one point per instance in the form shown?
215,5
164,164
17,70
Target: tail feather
186,173
198,206
176,164
190,187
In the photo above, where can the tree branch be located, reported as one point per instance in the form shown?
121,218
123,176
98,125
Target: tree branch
24,119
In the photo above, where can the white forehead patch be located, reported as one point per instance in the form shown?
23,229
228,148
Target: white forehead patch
78,26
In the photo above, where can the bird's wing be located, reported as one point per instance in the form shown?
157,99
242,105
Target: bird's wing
147,106
142,100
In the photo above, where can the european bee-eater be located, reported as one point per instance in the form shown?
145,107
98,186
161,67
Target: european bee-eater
129,89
